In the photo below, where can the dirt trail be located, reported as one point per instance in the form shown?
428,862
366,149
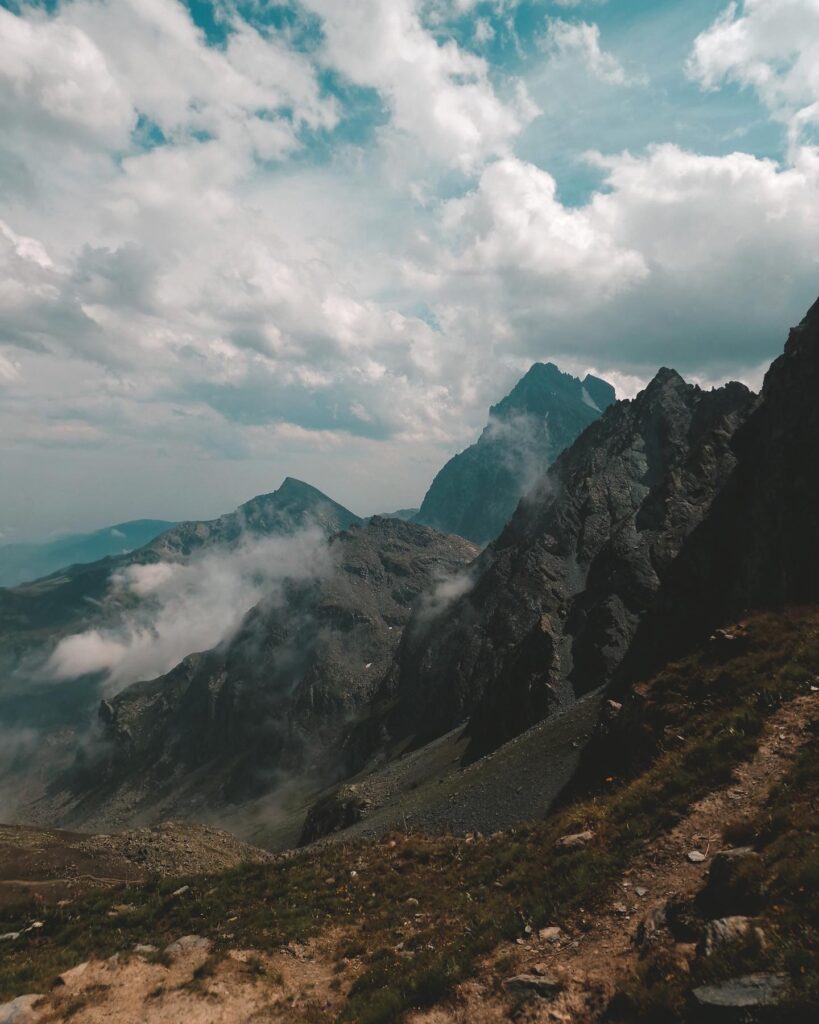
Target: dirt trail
596,951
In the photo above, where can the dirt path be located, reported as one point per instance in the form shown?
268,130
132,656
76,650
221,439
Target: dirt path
595,952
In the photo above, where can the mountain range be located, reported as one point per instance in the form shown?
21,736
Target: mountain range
620,513
21,563
586,751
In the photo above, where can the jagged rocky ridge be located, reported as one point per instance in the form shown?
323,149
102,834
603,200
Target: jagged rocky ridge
229,724
476,492
759,546
549,609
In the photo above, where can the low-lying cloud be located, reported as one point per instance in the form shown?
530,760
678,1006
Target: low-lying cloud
165,611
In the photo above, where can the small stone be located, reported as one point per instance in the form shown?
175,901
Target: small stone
413,902
181,891
696,857
575,840
550,934
640,890
543,985
144,949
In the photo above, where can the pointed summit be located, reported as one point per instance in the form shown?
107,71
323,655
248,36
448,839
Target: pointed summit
477,491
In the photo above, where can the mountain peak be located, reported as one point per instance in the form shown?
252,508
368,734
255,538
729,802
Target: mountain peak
477,491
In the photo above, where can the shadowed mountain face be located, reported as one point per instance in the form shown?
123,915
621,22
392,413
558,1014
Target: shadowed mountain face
20,563
477,491
759,547
232,723
550,608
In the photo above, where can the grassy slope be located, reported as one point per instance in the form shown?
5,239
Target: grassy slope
685,731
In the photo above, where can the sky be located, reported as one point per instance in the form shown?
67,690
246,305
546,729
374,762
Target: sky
241,240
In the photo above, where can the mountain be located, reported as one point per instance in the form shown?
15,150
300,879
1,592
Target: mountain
548,611
35,616
477,491
21,563
759,546
267,710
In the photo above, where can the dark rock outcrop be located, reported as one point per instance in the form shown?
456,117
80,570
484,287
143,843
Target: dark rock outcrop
550,608
476,492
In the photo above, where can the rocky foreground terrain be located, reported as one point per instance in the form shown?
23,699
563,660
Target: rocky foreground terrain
676,883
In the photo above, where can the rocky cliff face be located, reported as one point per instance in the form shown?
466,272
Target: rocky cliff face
549,610
230,724
477,491
759,546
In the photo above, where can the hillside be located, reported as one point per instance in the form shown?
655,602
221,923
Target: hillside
710,815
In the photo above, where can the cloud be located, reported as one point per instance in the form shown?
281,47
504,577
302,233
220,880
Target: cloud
443,593
581,39
100,66
440,96
771,46
675,251
165,611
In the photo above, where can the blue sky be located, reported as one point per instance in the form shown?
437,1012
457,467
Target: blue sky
241,240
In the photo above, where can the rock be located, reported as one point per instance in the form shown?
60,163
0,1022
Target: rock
649,928
737,994
574,841
695,856
640,890
144,949
543,985
609,713
727,930
735,880
9,936
550,934
181,891
19,1010
413,902
188,944
70,976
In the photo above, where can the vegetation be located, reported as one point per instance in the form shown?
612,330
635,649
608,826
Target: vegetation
415,913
